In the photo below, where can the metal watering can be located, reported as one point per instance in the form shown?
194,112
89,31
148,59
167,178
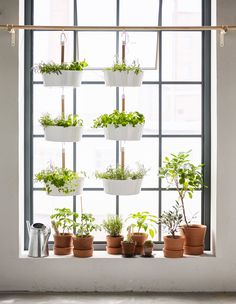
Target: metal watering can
38,240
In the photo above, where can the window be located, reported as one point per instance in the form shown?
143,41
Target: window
174,97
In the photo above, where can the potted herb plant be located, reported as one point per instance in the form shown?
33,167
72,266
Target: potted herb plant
113,226
121,125
128,245
61,75
61,181
83,240
122,181
123,75
63,221
145,225
186,178
173,244
148,248
63,128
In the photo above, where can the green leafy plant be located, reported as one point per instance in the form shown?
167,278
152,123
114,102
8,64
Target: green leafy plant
118,119
143,221
61,121
86,225
65,180
172,219
63,218
123,67
54,68
113,225
183,175
129,236
120,173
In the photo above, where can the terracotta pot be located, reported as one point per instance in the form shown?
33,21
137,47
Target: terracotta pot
114,250
173,253
63,251
86,253
139,239
114,241
147,249
128,249
176,243
63,240
194,237
83,243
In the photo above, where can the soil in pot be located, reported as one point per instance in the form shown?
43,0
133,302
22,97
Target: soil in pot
173,247
139,239
114,244
128,249
194,238
63,244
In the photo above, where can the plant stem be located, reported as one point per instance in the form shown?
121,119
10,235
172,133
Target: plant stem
182,202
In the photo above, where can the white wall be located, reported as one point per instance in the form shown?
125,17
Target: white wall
116,274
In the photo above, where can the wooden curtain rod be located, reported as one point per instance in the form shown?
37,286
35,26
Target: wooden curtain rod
9,27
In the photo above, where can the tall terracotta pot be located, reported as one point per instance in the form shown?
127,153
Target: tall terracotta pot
194,238
128,249
114,244
173,246
83,246
63,244
139,239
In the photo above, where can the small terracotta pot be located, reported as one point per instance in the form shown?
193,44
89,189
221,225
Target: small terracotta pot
83,243
62,251
114,250
173,253
194,237
86,253
128,249
114,241
139,239
176,243
147,249
63,240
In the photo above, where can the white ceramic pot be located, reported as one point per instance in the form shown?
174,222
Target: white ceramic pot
65,79
123,79
124,133
122,187
77,185
63,134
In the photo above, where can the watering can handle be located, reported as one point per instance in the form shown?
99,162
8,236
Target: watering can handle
46,239
28,227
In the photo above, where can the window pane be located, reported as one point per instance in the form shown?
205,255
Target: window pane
181,12
93,101
99,204
93,12
139,12
134,152
95,154
181,56
44,206
181,109
144,100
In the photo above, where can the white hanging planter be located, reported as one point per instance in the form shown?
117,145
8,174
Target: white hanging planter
122,187
77,185
65,79
124,133
123,79
63,134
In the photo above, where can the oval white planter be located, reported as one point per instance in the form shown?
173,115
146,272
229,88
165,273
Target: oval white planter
78,186
65,79
124,133
63,134
122,187
123,79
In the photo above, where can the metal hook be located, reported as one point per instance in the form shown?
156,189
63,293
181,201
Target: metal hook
223,32
12,32
63,38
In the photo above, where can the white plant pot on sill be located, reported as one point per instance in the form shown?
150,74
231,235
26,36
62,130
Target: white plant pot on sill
78,185
123,79
122,187
63,134
65,79
124,133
